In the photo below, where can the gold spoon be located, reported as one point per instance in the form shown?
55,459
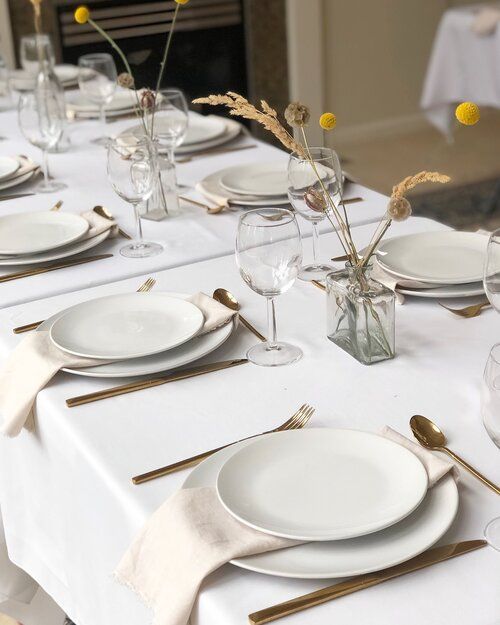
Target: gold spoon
104,212
430,436
211,210
474,310
228,299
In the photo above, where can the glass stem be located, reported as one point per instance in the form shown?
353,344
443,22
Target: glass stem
138,224
271,324
102,118
315,242
173,173
45,166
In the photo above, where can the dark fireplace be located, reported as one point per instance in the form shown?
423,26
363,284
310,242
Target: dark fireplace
208,51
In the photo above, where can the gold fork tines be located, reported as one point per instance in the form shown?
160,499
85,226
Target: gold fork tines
474,310
146,286
297,421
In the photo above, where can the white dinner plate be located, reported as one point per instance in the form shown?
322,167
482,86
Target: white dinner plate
354,556
61,252
449,257
8,166
445,292
188,352
201,129
211,188
33,232
321,484
26,165
23,80
261,179
129,325
123,100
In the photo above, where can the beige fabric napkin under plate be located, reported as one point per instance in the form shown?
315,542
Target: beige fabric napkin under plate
191,535
486,21
98,225
36,360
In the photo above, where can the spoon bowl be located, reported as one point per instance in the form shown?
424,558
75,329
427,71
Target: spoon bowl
426,432
223,296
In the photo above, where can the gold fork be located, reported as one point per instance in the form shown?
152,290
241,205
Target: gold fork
474,310
147,286
297,421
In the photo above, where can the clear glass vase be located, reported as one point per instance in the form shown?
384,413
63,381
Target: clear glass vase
360,315
164,202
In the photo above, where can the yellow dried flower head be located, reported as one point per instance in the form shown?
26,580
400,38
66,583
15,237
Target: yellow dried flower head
467,113
328,121
82,15
182,1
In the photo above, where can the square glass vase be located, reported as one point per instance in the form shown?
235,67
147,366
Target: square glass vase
360,315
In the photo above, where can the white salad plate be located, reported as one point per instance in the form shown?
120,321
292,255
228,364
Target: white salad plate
196,348
23,80
354,556
321,484
449,257
123,100
445,292
129,325
201,128
27,169
211,188
33,232
261,179
61,252
8,166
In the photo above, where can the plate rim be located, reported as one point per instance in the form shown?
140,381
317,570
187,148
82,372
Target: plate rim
245,562
213,119
53,215
338,534
114,295
233,190
17,165
434,233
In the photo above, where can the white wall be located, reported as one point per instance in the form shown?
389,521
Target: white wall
6,42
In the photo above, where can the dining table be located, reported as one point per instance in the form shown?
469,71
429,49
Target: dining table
70,509
190,236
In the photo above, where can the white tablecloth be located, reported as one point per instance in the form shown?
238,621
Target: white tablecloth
190,237
70,510
463,66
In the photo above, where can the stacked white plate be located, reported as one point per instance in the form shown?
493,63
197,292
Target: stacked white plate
256,184
22,80
133,334
203,132
124,102
16,170
360,500
37,237
436,264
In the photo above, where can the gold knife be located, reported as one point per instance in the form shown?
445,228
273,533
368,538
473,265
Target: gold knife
152,382
429,557
69,263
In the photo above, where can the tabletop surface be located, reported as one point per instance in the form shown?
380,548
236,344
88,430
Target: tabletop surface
70,509
189,237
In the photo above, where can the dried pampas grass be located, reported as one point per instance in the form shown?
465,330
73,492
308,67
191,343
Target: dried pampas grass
267,117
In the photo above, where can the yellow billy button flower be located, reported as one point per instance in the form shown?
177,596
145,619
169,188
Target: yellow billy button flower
182,1
467,113
328,121
82,15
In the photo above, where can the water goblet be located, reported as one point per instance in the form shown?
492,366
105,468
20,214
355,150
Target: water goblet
35,49
308,190
41,117
132,172
97,81
269,255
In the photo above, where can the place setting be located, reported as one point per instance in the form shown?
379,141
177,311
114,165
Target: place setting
15,171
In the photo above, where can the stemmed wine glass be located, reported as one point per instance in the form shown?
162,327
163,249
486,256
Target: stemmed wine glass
132,172
170,122
490,392
41,117
269,255
33,48
307,195
97,81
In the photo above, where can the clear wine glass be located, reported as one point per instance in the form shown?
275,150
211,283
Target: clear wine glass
41,117
269,255
132,172
170,122
490,392
97,81
33,48
307,195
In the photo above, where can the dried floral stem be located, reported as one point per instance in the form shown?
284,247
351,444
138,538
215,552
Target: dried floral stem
267,117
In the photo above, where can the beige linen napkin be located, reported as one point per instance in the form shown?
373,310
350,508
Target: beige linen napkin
191,535
486,21
98,225
36,360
